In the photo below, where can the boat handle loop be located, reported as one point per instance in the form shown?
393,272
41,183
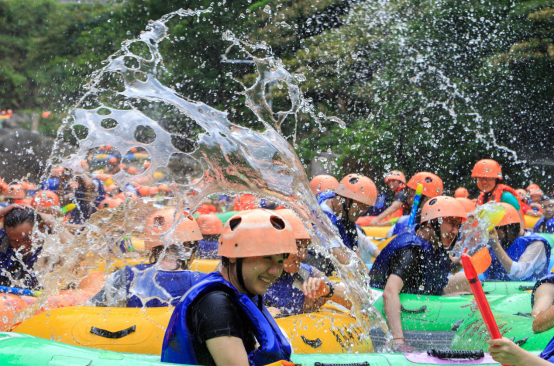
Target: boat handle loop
413,311
113,335
445,354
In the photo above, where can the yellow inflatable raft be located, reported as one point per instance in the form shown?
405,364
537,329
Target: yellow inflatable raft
137,330
530,221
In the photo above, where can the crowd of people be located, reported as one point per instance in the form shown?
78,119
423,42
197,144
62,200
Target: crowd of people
268,266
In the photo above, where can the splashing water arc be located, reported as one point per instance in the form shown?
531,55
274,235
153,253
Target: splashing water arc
226,159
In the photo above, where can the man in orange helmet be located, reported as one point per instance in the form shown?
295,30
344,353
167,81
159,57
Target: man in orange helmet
517,257
488,174
417,262
432,187
353,197
396,182
222,319
166,278
302,288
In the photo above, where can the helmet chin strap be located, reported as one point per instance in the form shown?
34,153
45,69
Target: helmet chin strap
240,278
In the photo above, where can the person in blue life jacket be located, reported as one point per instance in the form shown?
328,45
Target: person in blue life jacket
19,249
353,196
417,261
211,228
166,278
515,257
222,320
542,301
546,222
432,187
301,288
396,182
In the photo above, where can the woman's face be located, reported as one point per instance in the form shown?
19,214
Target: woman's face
485,184
260,272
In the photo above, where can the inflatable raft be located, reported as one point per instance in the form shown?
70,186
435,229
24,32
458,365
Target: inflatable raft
137,330
11,304
24,350
432,321
512,314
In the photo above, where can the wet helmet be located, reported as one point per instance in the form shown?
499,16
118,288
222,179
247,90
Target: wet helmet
461,193
396,175
160,222
43,199
510,217
442,206
256,233
487,168
143,191
209,224
468,205
532,186
432,184
358,188
322,183
297,225
535,192
245,202
109,203
15,191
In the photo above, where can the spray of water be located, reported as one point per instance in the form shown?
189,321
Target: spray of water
225,158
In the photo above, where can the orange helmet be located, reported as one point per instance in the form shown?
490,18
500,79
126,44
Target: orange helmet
24,185
510,217
322,183
533,186
109,203
432,184
57,172
160,222
461,193
15,191
442,206
256,233
297,225
154,191
209,224
43,199
487,168
85,165
132,170
468,205
164,187
358,188
245,202
113,160
143,191
396,175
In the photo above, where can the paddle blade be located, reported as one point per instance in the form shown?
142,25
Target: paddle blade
481,260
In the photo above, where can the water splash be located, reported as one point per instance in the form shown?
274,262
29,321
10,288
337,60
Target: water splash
224,158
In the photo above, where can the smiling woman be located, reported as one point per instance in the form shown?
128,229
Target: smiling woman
220,320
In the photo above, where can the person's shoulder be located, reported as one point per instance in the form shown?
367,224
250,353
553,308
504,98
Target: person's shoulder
216,296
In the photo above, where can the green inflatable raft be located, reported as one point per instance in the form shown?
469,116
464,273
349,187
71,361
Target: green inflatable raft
24,350
431,321
513,318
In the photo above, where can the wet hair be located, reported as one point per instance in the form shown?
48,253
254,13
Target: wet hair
19,216
547,198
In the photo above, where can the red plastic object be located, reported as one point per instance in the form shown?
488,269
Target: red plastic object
479,294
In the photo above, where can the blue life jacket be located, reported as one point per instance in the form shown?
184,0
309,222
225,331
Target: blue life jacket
435,262
154,288
348,239
548,352
515,251
379,206
549,278
543,226
18,270
178,344
207,250
401,225
284,296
